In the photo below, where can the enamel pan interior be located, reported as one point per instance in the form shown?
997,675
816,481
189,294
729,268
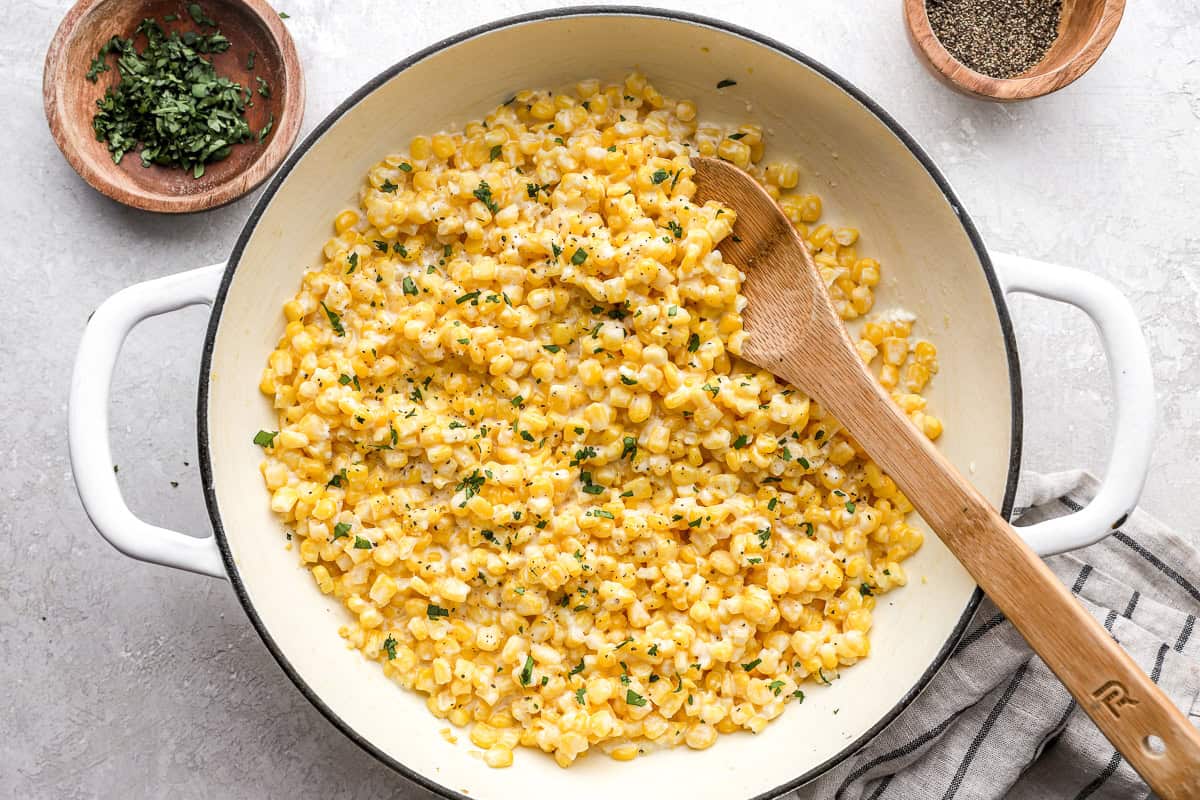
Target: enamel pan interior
869,173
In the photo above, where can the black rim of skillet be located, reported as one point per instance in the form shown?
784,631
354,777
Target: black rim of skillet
1014,373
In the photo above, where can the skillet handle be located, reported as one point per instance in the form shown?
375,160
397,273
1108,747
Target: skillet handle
1133,389
87,422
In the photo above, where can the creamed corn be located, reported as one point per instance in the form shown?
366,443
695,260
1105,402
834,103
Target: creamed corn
516,440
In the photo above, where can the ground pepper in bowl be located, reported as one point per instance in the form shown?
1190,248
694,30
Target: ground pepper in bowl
170,104
998,38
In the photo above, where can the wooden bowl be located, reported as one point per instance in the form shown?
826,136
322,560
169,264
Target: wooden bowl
70,100
1084,30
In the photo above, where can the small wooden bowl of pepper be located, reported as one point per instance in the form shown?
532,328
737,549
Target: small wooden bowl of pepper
173,106
1011,49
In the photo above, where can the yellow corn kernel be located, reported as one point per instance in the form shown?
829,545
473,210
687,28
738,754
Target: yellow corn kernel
345,220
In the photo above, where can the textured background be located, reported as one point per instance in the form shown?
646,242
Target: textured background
126,680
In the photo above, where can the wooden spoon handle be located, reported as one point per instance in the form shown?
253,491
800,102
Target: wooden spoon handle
1119,697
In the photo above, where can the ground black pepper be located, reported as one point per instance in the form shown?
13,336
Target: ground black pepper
1000,38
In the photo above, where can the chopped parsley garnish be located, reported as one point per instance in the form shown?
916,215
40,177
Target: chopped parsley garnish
799,695
659,176
583,454
406,167
736,136
99,65
634,699
340,530
653,651
388,186
265,438
483,193
629,447
579,256
693,343
362,544
389,644
764,536
409,285
433,612
335,321
850,508
527,671
578,668
170,103
741,441
600,512
865,590
469,297
625,379
551,348
802,461
580,694
751,665
471,484
352,260
776,687
676,231
495,152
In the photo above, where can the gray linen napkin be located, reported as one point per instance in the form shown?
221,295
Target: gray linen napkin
995,722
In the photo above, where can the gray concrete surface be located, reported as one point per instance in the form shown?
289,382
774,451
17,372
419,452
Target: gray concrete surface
125,680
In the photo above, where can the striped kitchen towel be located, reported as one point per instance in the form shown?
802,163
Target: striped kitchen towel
996,723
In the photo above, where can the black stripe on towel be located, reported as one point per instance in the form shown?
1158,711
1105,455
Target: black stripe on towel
1185,634
881,788
1183,582
977,634
984,730
1133,601
899,752
1154,560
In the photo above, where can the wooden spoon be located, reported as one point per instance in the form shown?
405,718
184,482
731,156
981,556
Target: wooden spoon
795,333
